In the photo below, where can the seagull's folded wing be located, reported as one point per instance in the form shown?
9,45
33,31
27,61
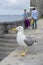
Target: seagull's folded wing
29,41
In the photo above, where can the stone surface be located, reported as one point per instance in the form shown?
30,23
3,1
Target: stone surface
34,56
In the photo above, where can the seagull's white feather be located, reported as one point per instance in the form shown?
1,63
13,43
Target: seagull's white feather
21,38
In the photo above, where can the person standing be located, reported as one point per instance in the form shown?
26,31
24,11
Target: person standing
25,14
26,20
34,16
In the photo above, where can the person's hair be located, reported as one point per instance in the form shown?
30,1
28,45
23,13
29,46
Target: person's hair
33,8
24,9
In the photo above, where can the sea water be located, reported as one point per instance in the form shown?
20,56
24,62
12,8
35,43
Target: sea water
10,18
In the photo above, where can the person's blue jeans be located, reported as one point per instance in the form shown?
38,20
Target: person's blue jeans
34,25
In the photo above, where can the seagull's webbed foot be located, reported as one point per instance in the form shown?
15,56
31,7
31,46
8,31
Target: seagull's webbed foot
24,53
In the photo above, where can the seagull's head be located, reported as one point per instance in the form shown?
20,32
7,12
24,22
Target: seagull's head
19,28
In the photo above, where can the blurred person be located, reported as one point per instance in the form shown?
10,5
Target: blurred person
34,16
26,20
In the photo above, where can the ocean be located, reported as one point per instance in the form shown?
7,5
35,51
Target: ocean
10,18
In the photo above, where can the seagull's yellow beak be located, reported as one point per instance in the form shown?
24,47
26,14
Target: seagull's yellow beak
14,29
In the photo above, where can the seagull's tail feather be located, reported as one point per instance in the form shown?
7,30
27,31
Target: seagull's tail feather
35,41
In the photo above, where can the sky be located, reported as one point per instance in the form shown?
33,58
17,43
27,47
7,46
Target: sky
13,6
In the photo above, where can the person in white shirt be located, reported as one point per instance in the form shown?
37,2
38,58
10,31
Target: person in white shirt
34,16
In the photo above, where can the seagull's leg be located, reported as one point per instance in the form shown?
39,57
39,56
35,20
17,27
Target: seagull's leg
24,53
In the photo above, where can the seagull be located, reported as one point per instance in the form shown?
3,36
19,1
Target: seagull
23,40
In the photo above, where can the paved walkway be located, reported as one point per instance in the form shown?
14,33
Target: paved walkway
35,57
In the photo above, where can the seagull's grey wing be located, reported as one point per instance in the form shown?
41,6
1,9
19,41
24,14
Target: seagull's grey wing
29,41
